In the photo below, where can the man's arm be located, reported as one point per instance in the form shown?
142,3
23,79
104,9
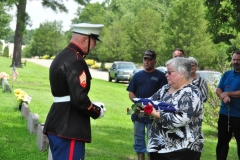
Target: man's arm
131,96
219,92
235,94
225,96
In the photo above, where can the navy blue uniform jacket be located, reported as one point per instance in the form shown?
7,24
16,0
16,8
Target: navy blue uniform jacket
69,75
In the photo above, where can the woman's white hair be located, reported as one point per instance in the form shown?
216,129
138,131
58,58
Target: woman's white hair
193,60
181,65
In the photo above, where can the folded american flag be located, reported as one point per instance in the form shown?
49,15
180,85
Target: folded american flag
158,105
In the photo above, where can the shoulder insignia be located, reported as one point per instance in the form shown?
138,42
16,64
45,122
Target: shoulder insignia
83,79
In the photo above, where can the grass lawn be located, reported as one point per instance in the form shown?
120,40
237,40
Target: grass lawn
112,136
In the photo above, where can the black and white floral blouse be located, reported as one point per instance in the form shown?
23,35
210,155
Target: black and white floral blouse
181,129
202,85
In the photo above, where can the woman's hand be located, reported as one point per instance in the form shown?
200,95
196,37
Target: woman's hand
151,111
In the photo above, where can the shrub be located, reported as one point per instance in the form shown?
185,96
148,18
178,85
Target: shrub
6,51
104,67
52,57
211,109
90,62
107,67
95,66
45,57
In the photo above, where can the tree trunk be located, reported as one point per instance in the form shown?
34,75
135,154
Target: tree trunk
20,27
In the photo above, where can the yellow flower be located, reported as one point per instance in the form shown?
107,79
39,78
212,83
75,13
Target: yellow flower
17,92
22,96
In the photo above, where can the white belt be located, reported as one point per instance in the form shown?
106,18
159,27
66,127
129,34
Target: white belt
62,99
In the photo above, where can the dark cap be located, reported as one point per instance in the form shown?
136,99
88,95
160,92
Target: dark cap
91,30
149,54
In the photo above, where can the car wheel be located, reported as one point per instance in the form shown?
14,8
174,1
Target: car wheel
109,78
116,80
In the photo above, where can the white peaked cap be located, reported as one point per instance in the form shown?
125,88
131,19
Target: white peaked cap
88,29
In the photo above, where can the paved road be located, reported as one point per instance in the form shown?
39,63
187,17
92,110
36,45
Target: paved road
94,72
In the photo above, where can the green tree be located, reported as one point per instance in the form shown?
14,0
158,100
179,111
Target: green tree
23,20
6,52
93,13
27,36
118,35
4,21
115,45
146,32
186,28
224,19
48,39
10,36
235,42
26,52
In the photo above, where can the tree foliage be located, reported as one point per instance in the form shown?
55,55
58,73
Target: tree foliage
23,20
186,28
147,34
131,27
4,21
224,19
6,52
48,39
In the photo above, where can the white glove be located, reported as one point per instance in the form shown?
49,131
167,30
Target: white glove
101,106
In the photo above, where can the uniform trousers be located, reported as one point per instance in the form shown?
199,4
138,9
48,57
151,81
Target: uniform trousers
66,149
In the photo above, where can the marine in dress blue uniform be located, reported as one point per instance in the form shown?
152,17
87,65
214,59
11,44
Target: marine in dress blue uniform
68,122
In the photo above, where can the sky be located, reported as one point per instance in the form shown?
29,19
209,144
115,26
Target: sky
38,14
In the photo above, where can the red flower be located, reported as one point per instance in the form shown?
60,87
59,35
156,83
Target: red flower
148,109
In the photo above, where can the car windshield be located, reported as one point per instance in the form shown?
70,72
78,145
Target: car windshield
126,66
211,77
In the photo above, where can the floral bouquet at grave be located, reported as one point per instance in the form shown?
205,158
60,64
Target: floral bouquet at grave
146,105
22,96
4,75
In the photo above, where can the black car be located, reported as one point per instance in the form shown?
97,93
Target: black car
121,71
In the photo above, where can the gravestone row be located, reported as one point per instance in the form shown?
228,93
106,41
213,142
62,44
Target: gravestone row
35,127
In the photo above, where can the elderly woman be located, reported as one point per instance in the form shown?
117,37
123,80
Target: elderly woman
197,80
177,135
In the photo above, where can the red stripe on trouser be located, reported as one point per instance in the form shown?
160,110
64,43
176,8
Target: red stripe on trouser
72,145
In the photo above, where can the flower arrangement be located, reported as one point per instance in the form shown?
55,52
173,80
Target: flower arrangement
22,96
4,75
137,108
148,109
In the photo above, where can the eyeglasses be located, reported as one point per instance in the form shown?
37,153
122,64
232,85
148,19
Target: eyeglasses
169,72
145,58
193,65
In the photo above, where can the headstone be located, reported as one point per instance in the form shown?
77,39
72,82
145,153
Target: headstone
7,88
5,85
32,123
42,139
2,83
25,110
49,154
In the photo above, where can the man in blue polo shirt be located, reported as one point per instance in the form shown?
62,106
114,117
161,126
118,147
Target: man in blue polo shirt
229,118
143,85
